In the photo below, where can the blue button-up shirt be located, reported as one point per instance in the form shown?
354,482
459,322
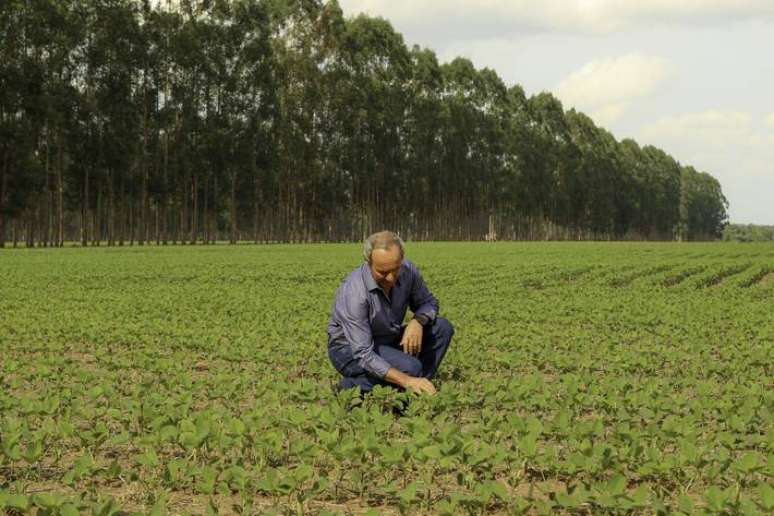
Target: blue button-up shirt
363,313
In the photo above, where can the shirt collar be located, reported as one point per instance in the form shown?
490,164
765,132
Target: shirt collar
368,278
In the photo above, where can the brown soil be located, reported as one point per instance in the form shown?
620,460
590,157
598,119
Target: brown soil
767,280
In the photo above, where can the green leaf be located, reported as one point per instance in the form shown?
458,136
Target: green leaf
160,507
107,507
207,479
528,445
495,488
34,451
46,500
14,501
639,498
616,486
432,452
766,494
408,494
685,504
302,473
68,509
149,458
716,499
747,463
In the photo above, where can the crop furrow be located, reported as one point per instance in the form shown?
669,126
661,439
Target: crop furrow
605,274
574,274
676,279
629,278
718,277
766,280
753,277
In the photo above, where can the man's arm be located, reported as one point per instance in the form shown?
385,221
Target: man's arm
352,313
425,308
422,302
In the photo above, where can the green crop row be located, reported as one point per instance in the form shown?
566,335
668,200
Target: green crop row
583,378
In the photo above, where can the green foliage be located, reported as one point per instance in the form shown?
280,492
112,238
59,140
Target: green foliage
264,120
583,378
748,233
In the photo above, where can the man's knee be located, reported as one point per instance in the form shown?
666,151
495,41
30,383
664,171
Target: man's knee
411,366
443,328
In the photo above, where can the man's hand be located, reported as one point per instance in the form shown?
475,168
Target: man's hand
415,384
420,385
412,338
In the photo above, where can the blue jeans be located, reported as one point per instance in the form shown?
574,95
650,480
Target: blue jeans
435,342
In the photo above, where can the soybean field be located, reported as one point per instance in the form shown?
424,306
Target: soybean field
583,378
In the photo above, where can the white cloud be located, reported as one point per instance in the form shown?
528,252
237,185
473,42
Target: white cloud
568,15
604,88
734,146
608,113
712,128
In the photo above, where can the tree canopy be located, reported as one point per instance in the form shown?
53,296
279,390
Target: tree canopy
748,233
282,120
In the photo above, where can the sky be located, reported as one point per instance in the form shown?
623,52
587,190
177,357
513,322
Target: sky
692,77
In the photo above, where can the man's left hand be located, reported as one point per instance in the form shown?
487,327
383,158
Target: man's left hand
412,338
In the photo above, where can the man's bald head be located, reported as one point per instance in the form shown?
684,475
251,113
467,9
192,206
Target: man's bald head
384,253
383,240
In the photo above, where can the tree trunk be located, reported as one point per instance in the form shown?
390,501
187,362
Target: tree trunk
206,239
3,187
233,208
30,233
96,233
180,230
165,211
121,211
143,219
144,212
49,213
110,211
60,192
256,191
215,204
85,210
194,207
131,222
158,233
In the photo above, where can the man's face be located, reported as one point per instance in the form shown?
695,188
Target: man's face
385,266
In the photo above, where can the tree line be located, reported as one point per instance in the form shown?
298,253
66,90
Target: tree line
131,122
748,233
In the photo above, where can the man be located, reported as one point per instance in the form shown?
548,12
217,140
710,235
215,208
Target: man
367,342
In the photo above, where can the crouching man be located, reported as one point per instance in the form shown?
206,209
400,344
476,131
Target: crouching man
367,342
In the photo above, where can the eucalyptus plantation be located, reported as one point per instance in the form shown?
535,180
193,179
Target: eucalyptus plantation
128,122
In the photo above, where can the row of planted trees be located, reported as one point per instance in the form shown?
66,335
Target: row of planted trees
126,121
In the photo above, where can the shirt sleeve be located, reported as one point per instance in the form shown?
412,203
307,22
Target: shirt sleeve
352,313
421,300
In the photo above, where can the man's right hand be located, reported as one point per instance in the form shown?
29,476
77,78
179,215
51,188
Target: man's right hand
413,383
420,385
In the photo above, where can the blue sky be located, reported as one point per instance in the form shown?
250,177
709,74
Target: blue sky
695,77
